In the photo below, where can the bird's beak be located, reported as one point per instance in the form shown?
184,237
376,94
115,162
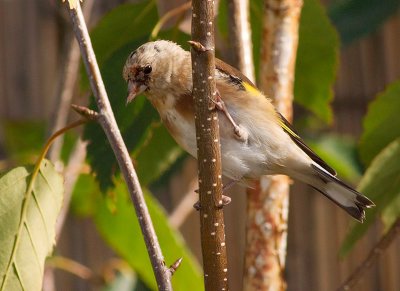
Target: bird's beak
134,89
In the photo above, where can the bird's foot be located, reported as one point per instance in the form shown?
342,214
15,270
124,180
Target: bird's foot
240,133
225,200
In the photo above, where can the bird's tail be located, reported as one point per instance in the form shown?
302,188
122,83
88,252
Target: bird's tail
343,195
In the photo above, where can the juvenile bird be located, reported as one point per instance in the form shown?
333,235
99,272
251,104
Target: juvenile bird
255,139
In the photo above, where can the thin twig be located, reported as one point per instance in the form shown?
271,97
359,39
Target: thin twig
167,16
184,208
110,127
67,82
175,266
373,255
71,266
268,202
71,173
240,36
208,147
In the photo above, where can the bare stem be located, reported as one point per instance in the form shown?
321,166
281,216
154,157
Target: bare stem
266,241
240,35
208,147
373,255
65,91
169,15
107,121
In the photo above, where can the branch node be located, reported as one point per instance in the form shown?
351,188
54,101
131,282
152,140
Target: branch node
172,269
197,46
197,206
85,112
225,200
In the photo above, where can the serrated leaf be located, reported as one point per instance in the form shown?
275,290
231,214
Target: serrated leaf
116,221
27,225
356,18
316,62
381,183
381,123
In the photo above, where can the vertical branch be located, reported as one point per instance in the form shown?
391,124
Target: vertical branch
268,203
208,147
107,121
240,34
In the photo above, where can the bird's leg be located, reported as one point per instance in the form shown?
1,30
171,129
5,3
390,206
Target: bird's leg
240,133
225,200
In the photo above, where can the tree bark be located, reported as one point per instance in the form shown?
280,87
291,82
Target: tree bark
208,147
268,202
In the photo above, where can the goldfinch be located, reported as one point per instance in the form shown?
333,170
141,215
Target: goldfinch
255,139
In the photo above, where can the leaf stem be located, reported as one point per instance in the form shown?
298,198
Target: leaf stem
28,193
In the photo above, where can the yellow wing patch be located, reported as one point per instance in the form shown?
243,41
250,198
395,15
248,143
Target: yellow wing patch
288,129
251,89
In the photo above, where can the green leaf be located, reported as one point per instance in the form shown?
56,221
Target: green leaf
135,121
151,159
317,55
83,200
126,23
356,18
381,124
116,221
340,153
23,139
381,183
316,62
28,211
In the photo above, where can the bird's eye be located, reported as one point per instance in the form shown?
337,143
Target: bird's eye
147,69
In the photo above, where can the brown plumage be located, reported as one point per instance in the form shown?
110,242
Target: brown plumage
162,71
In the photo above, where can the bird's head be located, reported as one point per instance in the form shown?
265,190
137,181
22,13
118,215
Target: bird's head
154,68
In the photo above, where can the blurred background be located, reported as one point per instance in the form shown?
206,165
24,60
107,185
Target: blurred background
35,38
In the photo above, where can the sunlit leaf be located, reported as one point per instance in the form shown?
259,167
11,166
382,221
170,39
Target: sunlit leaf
381,183
316,62
381,124
27,225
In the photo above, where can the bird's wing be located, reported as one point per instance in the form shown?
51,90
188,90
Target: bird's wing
235,77
287,127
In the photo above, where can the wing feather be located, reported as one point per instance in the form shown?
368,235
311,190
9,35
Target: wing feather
237,78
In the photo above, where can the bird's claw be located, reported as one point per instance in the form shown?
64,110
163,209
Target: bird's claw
225,200
197,206
240,133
